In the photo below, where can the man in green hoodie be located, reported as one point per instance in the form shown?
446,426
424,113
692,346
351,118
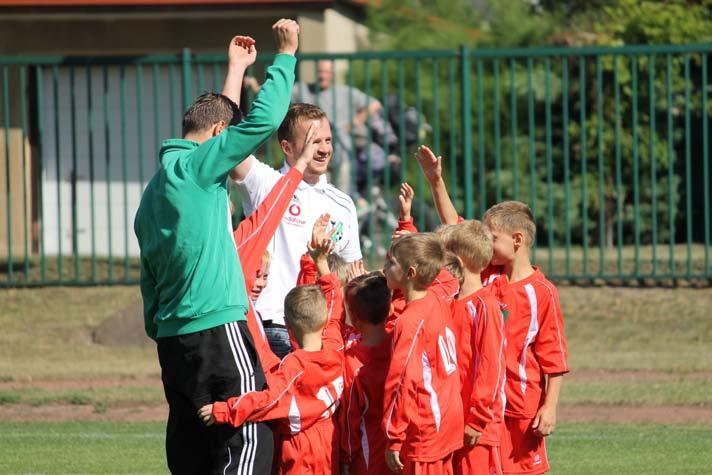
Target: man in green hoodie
191,281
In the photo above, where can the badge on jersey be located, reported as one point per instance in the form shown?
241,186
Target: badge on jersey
339,226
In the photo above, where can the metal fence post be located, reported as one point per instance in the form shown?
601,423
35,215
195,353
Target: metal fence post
186,64
467,127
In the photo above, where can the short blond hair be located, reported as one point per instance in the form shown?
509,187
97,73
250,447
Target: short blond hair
339,267
512,216
471,241
266,258
305,309
453,266
423,251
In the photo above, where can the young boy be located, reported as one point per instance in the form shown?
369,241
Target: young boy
536,354
536,345
479,330
305,390
422,418
367,300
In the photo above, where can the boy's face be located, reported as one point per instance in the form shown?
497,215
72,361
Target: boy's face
503,247
260,281
395,276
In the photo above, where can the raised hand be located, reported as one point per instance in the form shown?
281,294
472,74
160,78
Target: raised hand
429,163
356,269
241,51
406,201
321,243
309,148
286,36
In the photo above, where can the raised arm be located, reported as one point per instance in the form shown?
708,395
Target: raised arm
432,169
214,158
241,54
255,232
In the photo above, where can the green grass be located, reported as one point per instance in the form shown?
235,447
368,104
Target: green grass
676,391
630,449
137,448
107,397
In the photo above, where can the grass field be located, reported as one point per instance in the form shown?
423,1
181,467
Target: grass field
641,359
137,448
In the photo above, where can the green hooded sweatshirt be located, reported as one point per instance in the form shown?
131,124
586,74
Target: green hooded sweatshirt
191,279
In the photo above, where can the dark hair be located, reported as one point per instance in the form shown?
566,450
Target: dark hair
296,114
368,298
209,109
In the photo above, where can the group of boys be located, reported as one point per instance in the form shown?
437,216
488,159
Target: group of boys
448,361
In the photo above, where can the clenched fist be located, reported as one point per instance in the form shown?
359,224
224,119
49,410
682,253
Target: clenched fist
286,36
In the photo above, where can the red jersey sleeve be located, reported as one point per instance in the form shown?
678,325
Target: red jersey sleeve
398,392
407,225
332,337
268,359
255,232
488,340
550,347
270,404
350,421
307,270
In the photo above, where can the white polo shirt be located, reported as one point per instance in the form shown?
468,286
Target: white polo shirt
294,233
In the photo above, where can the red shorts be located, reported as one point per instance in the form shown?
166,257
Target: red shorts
478,460
438,467
522,450
310,452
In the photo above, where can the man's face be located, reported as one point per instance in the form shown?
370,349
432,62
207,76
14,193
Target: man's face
325,74
323,152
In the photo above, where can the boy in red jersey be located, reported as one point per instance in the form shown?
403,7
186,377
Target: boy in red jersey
363,443
536,345
536,353
305,390
479,329
422,418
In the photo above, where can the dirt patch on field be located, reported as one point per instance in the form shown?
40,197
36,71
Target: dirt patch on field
639,375
72,412
636,414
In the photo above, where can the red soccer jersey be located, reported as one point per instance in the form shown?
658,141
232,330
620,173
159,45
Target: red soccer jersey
536,343
479,329
422,407
302,397
363,443
445,286
252,237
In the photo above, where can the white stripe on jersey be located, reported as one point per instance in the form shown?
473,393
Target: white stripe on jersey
295,417
556,319
364,435
533,330
428,383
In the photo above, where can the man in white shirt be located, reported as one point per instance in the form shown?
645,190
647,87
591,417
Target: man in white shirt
313,198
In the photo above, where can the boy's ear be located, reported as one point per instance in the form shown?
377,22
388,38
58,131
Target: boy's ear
286,147
518,239
459,259
411,273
